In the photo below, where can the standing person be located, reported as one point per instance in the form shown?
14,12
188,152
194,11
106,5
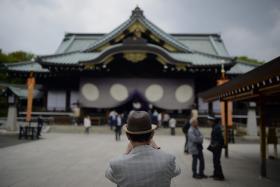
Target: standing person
195,141
112,119
185,130
155,117
87,124
194,112
193,116
159,119
76,113
172,126
118,127
40,123
216,146
144,164
166,118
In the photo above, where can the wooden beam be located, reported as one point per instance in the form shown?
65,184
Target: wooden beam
240,97
270,89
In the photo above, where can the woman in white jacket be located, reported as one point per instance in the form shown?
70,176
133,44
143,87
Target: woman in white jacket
87,124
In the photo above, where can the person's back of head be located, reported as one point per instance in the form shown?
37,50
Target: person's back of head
139,127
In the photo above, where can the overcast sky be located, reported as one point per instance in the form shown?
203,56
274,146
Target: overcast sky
248,27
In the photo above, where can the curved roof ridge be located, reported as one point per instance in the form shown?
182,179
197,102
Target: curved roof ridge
107,37
137,15
70,42
150,45
165,35
138,48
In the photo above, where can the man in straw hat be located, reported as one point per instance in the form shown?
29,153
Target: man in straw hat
144,164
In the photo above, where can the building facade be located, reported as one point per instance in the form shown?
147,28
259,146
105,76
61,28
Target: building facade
137,65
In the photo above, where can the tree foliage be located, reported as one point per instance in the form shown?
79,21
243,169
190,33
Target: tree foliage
12,57
249,60
16,56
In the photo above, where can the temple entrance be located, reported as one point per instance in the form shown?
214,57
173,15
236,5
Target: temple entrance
136,101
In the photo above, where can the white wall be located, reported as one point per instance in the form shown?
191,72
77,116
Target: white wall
203,106
56,100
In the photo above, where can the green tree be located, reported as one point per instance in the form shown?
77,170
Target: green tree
21,56
16,56
249,60
12,57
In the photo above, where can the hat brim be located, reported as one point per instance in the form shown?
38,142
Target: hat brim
140,132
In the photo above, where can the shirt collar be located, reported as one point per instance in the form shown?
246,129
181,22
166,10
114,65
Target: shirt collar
141,148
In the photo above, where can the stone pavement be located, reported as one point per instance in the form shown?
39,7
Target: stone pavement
80,160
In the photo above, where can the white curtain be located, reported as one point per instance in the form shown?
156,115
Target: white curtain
56,101
74,97
202,106
216,107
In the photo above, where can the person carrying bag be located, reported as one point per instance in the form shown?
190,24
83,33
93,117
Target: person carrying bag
216,146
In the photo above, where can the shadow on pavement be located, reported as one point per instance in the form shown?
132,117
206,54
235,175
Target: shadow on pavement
7,140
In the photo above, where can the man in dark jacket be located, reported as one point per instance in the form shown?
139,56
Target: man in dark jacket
216,146
185,130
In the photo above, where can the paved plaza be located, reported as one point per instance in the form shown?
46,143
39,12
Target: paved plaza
72,159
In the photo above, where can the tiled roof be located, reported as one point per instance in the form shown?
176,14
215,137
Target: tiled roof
72,58
77,42
210,43
26,67
194,58
195,49
20,90
241,68
206,43
199,59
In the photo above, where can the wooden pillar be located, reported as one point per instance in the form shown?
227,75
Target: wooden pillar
30,89
226,128
263,137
